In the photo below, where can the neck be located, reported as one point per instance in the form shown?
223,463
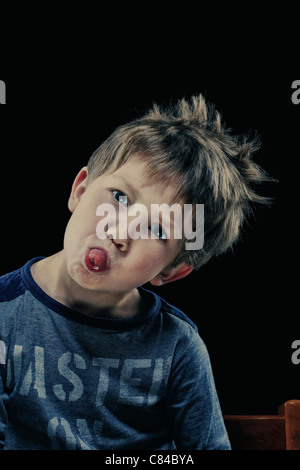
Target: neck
52,276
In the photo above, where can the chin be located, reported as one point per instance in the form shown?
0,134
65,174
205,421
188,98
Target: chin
82,277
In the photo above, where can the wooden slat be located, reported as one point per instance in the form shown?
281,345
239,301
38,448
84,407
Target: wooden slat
291,412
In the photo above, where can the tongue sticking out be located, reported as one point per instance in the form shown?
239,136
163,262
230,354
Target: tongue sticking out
97,259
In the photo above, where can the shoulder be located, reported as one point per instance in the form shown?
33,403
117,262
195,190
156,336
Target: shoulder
16,283
11,285
177,315
157,303
181,338
176,327
168,311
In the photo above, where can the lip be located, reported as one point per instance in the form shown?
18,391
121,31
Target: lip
90,266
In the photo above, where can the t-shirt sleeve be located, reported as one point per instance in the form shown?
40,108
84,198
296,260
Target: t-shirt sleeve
193,406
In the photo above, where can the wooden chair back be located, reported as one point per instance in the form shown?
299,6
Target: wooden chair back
266,432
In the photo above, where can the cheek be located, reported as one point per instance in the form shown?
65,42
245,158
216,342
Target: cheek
151,256
84,217
80,225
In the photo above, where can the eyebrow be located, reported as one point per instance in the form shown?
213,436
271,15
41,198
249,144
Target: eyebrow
135,192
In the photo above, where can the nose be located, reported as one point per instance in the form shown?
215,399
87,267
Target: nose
121,243
115,226
118,233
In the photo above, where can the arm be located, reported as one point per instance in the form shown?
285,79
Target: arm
193,407
3,414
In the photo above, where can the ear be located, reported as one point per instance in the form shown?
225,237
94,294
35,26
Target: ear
78,189
172,274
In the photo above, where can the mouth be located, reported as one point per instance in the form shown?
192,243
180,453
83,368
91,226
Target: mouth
96,260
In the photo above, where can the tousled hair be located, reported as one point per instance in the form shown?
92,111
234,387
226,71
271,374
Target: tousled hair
187,144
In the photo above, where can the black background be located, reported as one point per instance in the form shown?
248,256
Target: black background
73,76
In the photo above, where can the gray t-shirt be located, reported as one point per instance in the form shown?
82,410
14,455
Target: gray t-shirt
72,381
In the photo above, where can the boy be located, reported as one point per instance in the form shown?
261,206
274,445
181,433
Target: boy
89,358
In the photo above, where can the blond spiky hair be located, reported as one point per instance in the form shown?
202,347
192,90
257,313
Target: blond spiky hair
188,144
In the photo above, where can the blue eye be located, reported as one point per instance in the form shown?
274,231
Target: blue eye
159,232
120,197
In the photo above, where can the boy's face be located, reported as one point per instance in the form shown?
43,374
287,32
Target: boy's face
126,263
